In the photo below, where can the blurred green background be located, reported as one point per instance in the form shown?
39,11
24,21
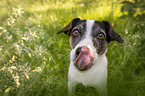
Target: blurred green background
34,60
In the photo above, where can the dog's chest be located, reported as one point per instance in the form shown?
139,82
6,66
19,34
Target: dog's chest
92,77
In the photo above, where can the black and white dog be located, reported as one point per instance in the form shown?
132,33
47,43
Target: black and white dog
88,62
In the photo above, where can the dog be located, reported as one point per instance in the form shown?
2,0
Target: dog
88,62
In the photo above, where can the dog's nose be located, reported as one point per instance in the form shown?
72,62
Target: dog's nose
78,50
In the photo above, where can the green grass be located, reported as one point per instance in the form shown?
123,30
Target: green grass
35,60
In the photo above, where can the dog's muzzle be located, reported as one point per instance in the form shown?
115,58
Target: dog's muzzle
84,58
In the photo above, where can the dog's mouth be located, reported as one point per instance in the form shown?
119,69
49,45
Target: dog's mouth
84,59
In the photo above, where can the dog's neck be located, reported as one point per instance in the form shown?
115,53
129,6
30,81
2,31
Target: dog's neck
96,76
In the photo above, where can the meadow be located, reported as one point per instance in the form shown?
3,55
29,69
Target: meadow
34,60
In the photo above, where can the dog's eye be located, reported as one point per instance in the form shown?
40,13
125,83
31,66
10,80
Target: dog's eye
76,32
101,36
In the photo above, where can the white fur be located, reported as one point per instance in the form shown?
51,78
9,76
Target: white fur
96,76
89,27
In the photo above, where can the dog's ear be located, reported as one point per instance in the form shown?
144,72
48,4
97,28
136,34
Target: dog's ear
67,29
111,32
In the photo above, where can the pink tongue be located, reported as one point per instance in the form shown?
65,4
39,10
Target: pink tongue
85,58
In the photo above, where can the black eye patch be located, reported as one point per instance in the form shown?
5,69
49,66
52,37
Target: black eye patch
77,33
99,38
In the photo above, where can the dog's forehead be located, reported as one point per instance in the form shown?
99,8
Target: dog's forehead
81,24
89,25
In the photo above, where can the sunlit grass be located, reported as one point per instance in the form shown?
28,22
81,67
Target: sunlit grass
35,60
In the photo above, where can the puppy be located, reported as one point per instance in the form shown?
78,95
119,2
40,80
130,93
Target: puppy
88,62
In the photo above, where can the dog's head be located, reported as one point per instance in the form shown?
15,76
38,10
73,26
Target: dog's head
88,40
